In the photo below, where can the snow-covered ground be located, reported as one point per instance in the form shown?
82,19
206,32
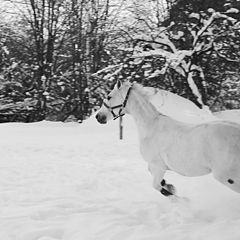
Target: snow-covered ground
79,182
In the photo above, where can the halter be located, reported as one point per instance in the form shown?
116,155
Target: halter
120,106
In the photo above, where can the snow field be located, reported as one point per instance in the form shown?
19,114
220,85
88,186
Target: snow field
79,182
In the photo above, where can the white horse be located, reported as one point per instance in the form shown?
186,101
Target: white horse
168,144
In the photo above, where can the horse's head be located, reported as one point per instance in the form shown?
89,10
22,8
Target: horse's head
114,105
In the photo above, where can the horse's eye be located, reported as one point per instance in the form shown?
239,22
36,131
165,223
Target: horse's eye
108,98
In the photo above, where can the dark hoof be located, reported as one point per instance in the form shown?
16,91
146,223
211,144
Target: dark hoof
165,192
170,188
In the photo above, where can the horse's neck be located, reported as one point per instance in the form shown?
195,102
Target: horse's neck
142,111
148,118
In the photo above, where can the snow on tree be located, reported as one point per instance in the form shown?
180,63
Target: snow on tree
182,61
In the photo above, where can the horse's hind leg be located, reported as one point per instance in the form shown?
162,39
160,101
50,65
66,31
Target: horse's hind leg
159,182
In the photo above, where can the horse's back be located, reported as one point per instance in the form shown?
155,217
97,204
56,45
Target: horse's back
229,115
220,134
225,130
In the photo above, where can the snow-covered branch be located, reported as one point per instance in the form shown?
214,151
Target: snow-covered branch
224,56
185,62
209,22
115,68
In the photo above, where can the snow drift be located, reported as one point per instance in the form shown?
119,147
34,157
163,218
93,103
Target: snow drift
79,182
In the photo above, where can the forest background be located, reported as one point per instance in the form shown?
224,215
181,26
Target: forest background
58,58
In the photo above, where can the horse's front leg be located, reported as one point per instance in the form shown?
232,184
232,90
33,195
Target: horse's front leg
159,183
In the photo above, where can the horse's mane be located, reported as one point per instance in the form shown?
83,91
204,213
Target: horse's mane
159,98
146,92
172,105
150,92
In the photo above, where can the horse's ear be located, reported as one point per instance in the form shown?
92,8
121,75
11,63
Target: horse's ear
119,84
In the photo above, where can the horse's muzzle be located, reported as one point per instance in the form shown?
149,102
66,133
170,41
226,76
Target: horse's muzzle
101,118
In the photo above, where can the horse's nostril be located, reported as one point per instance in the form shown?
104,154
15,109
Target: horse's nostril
101,118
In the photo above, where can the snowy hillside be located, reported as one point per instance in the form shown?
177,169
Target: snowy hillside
79,182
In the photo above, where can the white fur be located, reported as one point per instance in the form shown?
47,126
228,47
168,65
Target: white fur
188,149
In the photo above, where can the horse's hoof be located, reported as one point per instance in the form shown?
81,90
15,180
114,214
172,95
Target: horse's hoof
165,192
170,188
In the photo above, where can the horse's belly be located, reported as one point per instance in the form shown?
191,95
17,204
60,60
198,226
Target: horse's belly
191,161
189,169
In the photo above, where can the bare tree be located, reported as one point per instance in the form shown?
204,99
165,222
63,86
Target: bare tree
43,18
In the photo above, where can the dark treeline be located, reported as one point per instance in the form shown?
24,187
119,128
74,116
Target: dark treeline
58,58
